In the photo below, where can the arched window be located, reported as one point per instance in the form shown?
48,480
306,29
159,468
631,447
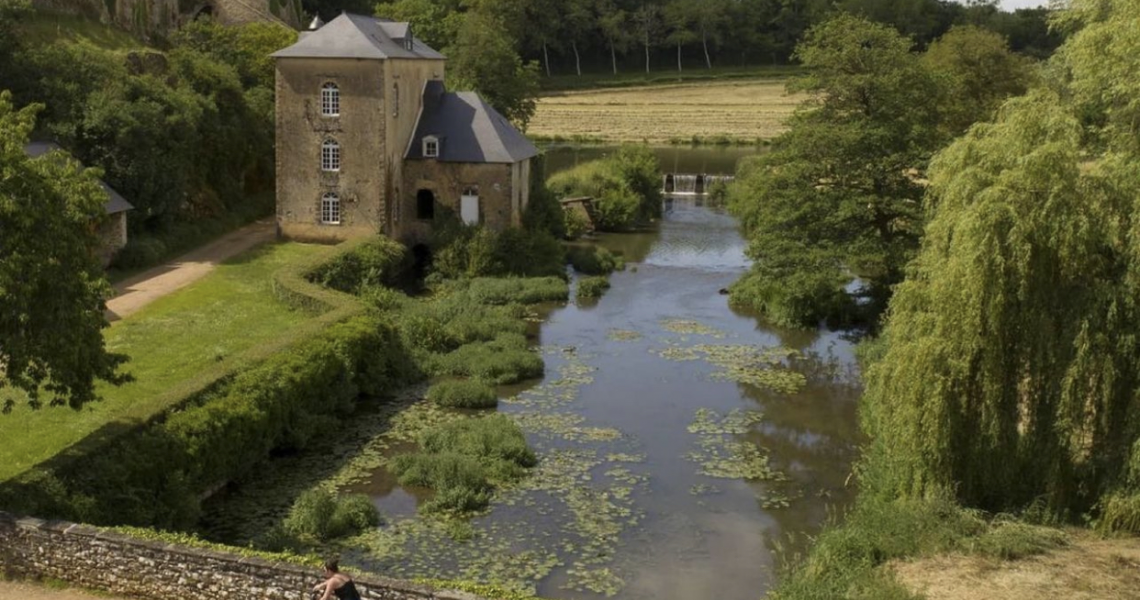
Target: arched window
330,100
330,209
330,156
425,205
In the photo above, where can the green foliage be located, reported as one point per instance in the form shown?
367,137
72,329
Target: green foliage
463,461
483,58
321,516
491,291
575,224
463,251
543,211
470,393
802,298
594,260
980,72
246,48
504,360
52,286
1011,334
377,262
592,287
626,187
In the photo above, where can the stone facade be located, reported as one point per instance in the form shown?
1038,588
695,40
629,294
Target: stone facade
119,564
112,233
503,191
379,103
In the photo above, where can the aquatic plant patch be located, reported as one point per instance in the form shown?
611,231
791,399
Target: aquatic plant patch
720,454
623,335
688,327
754,365
469,393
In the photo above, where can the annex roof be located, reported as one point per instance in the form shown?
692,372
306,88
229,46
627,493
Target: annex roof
469,129
359,36
115,202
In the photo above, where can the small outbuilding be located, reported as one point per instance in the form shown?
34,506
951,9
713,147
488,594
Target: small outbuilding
111,228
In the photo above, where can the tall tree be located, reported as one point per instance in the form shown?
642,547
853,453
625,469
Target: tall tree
52,288
613,22
648,18
841,193
678,18
484,59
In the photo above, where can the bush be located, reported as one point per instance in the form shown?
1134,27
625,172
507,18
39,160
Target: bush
464,251
594,260
498,291
376,262
322,516
592,287
464,460
140,252
804,299
504,360
576,224
626,187
463,394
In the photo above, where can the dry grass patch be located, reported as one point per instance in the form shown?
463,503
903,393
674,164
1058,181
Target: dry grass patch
1085,569
744,110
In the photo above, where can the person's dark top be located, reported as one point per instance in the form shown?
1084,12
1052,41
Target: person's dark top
347,591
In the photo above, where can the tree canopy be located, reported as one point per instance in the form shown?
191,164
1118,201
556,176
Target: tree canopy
52,287
1010,372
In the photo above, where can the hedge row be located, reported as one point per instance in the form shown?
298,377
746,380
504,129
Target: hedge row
156,475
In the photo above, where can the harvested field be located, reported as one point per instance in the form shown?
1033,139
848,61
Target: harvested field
1086,569
735,111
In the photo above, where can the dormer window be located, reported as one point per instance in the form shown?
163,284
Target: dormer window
409,41
330,100
431,147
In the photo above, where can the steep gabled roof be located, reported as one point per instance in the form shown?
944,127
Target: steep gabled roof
469,130
115,202
359,36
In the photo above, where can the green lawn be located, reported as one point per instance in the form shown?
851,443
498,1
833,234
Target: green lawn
181,341
589,81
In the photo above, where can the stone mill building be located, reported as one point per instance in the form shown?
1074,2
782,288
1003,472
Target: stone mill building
369,141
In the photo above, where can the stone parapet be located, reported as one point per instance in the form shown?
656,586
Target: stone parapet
110,561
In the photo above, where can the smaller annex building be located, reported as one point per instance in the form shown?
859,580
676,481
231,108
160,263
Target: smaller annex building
369,140
112,230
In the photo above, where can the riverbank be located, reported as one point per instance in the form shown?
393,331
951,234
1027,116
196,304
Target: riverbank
745,111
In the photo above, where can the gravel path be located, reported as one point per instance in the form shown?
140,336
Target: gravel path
146,287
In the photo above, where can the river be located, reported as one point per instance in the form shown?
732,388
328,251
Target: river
686,449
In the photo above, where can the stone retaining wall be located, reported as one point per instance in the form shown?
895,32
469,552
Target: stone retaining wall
109,561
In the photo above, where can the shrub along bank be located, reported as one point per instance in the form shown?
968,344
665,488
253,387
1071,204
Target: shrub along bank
626,188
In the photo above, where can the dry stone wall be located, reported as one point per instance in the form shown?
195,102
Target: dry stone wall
123,565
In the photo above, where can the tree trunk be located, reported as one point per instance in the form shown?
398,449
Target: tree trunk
679,57
577,58
646,50
613,56
546,57
705,43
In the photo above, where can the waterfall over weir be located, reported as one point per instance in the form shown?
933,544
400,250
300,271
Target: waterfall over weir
688,184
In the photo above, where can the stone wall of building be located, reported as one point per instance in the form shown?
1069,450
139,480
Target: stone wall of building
104,560
361,182
448,181
112,232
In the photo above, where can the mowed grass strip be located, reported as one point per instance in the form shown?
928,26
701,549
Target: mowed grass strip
198,330
745,110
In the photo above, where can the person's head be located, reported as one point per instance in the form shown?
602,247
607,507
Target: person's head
331,567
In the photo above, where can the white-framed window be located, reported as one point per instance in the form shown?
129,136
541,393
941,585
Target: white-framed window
431,147
330,209
330,100
330,156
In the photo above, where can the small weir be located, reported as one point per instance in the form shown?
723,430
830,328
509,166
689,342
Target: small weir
689,184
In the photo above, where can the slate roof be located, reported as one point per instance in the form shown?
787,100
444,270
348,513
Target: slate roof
358,36
469,130
115,202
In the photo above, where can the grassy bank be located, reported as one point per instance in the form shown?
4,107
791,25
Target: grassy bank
174,343
721,111
588,81
44,27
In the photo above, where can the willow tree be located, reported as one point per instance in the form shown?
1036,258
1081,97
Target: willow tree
1011,373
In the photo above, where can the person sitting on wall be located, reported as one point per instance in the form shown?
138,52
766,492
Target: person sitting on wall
336,584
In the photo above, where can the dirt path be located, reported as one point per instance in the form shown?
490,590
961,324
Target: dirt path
11,590
136,292
1086,569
